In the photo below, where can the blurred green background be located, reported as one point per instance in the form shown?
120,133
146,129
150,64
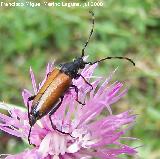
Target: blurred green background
35,36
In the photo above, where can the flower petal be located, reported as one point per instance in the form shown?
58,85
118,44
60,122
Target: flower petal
33,81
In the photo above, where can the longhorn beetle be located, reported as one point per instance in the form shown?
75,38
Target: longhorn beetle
50,96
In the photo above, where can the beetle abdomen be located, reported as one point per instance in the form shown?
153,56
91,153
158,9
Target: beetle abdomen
52,75
52,93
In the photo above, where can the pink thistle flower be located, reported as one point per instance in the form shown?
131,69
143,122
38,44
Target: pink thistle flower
93,133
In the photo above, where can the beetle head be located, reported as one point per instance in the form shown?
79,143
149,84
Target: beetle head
79,62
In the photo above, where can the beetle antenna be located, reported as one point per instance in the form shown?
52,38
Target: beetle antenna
91,32
117,57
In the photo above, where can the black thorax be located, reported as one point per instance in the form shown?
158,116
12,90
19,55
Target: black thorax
72,68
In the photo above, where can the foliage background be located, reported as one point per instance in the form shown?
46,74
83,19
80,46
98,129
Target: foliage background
34,36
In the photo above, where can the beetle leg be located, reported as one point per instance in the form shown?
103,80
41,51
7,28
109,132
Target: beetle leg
52,112
48,74
30,99
76,90
79,75
29,137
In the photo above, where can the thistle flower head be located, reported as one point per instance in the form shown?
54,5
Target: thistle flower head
91,133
